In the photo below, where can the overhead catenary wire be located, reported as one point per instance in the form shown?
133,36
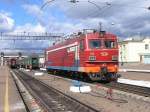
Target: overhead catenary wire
46,3
101,9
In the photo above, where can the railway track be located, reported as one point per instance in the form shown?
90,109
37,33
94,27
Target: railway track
51,99
142,91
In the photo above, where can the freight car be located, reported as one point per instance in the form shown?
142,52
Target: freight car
31,62
88,55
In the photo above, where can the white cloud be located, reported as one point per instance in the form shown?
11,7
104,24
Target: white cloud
129,16
6,22
33,9
28,27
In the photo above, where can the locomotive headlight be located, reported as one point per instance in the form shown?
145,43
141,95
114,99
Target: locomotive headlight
114,58
92,58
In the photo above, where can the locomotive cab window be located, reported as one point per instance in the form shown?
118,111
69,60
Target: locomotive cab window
94,44
109,44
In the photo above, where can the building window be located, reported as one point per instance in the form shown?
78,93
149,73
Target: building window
146,46
147,56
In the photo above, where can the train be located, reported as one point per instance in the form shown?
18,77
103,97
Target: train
13,63
89,55
31,62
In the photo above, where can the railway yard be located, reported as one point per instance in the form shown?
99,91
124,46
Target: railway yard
79,74
74,56
45,92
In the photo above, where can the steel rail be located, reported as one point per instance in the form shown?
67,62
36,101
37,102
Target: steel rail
142,91
20,93
49,96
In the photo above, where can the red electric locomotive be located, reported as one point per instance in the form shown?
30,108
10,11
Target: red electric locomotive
88,55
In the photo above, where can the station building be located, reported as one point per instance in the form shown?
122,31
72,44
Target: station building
135,51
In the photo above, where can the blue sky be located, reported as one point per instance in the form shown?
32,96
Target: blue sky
66,17
125,18
17,11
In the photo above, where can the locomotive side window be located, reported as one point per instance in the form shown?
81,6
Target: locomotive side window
109,44
82,44
94,44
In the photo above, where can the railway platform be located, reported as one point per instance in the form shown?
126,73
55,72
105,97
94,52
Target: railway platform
135,71
135,74
10,100
135,67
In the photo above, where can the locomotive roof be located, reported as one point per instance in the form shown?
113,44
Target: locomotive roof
83,35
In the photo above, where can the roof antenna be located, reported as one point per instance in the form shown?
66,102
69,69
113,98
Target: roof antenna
100,26
102,33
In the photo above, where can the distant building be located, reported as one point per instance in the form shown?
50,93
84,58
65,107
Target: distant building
135,51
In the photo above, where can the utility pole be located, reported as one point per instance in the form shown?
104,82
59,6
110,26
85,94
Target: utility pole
2,58
19,58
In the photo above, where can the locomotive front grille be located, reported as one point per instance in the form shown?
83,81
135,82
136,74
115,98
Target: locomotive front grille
92,58
114,58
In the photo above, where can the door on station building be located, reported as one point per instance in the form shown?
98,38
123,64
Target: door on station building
146,59
141,59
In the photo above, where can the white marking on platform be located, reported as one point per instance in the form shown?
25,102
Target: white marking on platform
133,70
44,69
38,73
135,82
83,89
27,70
17,106
122,70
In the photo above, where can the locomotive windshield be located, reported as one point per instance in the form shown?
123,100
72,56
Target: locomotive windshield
94,44
109,44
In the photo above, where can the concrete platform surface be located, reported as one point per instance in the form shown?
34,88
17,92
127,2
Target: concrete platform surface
138,66
135,76
10,100
135,72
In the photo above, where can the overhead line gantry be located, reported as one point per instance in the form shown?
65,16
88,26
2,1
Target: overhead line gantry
31,36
